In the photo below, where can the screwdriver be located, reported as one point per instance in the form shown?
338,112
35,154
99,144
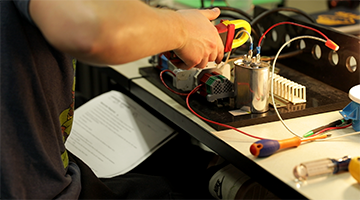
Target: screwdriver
328,166
322,167
267,147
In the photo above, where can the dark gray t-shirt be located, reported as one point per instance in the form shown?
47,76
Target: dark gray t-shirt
37,93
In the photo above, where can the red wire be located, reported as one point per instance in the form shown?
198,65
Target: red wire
330,128
188,104
162,80
213,122
292,23
220,124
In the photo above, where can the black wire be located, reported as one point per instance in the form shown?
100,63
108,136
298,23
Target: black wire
225,15
243,13
281,56
254,21
284,55
266,13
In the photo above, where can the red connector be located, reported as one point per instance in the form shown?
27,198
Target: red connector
227,33
332,45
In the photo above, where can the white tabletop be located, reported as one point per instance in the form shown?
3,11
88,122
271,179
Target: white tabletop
131,70
281,164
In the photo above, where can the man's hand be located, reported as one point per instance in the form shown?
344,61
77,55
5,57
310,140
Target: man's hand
202,43
115,32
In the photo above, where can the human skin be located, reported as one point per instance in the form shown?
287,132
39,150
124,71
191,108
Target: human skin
110,32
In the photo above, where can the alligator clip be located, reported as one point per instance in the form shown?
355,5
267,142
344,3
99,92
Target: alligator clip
227,29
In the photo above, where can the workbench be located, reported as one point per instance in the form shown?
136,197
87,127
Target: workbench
328,84
274,172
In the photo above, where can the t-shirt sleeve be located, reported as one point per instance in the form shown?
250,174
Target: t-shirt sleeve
23,7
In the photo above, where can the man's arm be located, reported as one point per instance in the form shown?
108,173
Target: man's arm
115,32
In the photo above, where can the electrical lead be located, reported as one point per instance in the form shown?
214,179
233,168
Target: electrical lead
332,124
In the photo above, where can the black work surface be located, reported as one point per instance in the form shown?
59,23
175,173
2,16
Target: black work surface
320,98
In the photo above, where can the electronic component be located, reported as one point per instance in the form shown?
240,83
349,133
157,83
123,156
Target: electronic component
252,83
184,79
164,62
215,77
187,80
216,86
289,91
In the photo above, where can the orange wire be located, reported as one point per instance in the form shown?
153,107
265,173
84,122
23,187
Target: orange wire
314,138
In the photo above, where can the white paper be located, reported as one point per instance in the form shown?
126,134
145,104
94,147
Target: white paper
112,134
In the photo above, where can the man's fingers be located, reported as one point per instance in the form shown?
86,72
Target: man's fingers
219,58
211,14
182,66
186,64
213,57
202,64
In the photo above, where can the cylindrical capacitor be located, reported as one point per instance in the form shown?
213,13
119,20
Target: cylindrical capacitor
252,85
321,167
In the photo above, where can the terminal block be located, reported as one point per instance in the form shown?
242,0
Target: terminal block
215,77
216,86
184,79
